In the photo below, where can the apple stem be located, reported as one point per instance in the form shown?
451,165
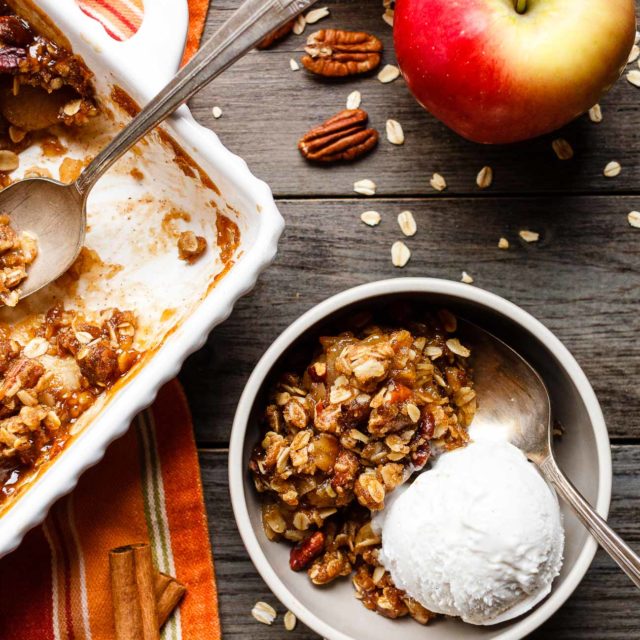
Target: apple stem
521,6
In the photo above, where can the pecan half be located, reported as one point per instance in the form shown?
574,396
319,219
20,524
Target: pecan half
337,53
10,59
305,552
276,35
343,137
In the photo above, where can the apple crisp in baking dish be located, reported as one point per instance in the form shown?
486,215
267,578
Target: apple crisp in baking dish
66,350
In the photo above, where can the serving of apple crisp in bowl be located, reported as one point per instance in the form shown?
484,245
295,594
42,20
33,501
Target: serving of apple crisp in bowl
177,230
358,465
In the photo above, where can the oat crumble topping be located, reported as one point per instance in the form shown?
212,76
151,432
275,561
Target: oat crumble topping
342,434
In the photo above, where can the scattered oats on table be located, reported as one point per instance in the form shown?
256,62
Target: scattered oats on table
370,218
216,112
400,254
634,77
633,54
438,182
264,613
293,65
388,16
315,15
354,100
503,243
484,177
299,25
365,187
388,73
595,113
529,236
395,134
466,278
407,223
290,621
634,219
562,149
612,169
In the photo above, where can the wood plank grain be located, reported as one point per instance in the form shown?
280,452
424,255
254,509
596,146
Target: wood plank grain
581,280
604,607
267,107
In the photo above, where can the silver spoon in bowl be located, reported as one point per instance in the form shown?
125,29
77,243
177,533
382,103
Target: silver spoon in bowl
56,212
513,398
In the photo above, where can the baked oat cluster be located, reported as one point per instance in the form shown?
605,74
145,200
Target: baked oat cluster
340,436
17,252
49,380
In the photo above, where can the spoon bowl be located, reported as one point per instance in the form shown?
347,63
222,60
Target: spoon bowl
54,212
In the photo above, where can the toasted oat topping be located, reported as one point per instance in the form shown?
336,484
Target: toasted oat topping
342,434
49,381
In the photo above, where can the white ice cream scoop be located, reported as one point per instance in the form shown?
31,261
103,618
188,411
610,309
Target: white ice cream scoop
479,536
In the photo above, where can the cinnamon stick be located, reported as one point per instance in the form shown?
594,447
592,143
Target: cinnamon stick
169,592
124,592
143,598
145,578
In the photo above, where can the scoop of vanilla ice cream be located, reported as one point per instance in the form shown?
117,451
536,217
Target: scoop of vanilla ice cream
478,536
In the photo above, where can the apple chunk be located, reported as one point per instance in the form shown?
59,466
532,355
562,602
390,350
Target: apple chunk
500,71
33,108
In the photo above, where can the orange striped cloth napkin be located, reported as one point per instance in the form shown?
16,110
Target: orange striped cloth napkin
122,18
56,586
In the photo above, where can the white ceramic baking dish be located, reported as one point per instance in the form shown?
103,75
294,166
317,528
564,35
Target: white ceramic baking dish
132,229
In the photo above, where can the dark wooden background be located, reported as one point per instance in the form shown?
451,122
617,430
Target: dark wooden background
582,278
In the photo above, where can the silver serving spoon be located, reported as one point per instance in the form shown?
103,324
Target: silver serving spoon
56,212
513,398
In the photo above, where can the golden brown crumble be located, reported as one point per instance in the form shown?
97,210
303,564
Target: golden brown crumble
345,432
48,381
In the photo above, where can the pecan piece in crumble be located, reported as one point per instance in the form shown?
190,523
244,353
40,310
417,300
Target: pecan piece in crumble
191,246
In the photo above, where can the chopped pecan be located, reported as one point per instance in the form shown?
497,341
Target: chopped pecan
10,59
345,136
277,35
305,552
22,373
98,363
339,53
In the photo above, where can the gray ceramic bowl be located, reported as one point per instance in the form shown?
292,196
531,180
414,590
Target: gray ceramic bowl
583,453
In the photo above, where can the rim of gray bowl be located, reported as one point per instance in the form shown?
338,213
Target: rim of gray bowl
372,290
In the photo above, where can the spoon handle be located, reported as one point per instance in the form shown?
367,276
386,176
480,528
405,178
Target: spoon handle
608,539
248,25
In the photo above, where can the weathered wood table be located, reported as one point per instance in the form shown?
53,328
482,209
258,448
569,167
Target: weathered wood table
582,279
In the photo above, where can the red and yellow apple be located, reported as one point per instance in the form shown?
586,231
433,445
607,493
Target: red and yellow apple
500,71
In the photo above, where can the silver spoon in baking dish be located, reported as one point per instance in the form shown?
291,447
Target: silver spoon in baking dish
56,212
514,399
